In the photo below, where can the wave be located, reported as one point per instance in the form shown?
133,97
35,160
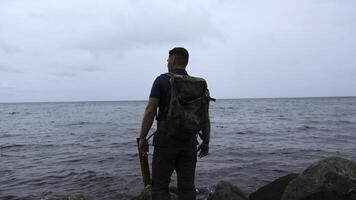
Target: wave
81,123
246,132
75,160
11,146
339,122
13,113
44,197
78,123
220,126
6,135
329,122
66,176
306,128
11,197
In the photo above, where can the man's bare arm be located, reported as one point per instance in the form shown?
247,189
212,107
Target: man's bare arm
206,130
147,121
148,117
204,146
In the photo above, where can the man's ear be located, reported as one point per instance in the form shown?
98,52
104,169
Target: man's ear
173,60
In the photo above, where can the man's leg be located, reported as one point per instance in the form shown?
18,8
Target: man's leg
163,162
185,168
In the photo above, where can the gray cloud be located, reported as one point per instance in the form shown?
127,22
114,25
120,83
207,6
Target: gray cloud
8,49
4,68
63,74
66,34
244,48
6,86
75,70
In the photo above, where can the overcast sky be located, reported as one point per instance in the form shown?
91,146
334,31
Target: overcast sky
65,50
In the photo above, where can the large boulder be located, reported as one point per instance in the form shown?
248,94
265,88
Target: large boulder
226,191
332,178
273,190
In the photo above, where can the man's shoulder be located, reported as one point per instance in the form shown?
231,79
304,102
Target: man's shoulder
161,81
162,77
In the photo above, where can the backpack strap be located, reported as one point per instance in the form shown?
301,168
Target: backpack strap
169,75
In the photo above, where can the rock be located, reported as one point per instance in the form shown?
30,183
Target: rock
80,197
273,190
332,178
146,194
226,191
203,193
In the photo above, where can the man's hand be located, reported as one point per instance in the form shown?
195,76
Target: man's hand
143,146
203,149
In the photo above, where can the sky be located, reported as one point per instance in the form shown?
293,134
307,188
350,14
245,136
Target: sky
91,50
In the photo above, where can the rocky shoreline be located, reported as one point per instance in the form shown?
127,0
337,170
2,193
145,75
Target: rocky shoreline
332,178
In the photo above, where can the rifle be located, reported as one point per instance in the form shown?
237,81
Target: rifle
145,168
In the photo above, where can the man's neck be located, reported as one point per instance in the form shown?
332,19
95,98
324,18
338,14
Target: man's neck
179,68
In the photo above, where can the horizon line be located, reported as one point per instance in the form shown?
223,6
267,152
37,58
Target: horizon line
237,98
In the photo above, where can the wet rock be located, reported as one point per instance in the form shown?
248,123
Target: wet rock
79,197
223,191
332,178
226,191
273,190
146,194
203,193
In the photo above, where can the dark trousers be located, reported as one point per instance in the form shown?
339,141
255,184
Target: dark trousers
164,162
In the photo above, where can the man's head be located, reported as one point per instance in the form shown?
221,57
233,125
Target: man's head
178,58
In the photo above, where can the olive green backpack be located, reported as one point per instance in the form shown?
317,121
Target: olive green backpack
188,106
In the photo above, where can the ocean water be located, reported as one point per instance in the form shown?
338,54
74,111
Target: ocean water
48,150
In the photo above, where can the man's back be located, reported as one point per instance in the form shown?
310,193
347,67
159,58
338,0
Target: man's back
161,89
170,153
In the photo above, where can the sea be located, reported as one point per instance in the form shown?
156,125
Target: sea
53,150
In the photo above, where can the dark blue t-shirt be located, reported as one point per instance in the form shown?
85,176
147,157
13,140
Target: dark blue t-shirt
161,90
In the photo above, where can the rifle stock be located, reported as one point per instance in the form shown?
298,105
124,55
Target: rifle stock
145,168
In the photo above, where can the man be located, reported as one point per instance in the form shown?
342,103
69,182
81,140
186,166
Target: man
171,153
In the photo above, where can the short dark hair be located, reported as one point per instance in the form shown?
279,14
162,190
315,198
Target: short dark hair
182,55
